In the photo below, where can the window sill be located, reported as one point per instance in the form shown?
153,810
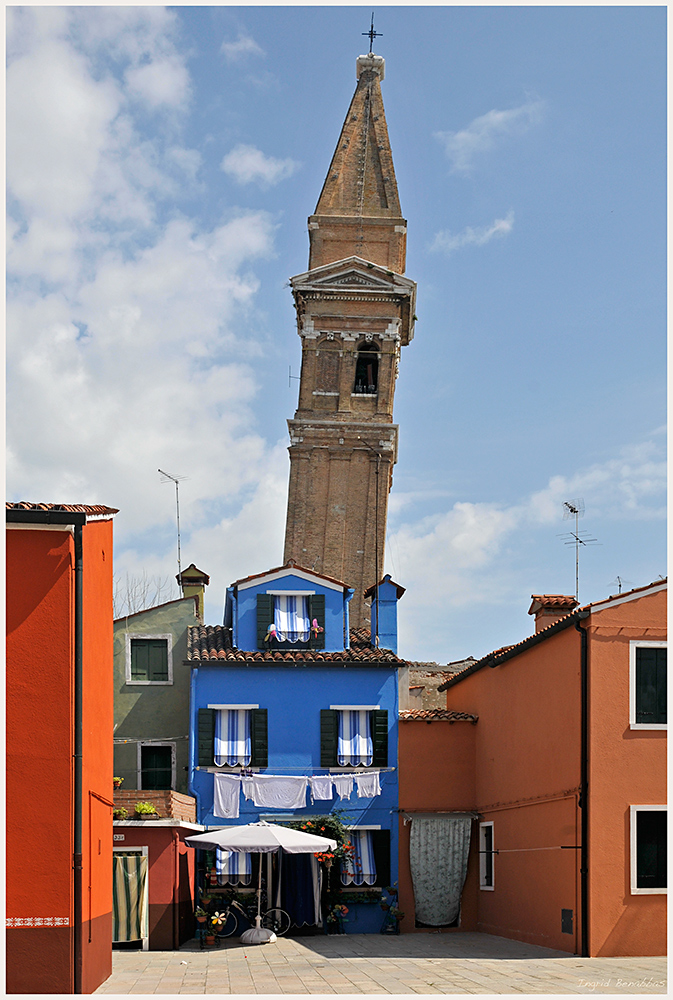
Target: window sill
649,892
648,725
364,395
148,683
487,888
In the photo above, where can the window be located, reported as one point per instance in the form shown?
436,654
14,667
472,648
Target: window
486,856
647,685
233,867
366,372
290,620
149,659
648,849
371,862
353,736
156,765
232,735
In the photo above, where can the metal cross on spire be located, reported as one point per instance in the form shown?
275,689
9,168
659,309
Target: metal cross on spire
372,35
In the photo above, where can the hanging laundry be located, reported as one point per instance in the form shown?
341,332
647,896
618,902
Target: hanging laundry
226,796
247,786
343,785
321,786
368,784
271,791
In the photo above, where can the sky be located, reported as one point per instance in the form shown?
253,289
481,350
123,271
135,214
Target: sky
161,166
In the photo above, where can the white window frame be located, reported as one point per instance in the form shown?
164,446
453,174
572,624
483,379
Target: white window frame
635,890
482,857
139,760
635,644
229,768
354,768
168,636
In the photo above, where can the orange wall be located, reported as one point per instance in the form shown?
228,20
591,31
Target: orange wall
527,767
621,923
39,693
436,773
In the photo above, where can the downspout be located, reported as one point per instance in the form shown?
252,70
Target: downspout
193,729
176,890
77,832
584,788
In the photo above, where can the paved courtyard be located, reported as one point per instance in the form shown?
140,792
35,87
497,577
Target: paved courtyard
370,963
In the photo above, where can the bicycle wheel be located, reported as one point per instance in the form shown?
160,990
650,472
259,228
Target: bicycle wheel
229,927
276,920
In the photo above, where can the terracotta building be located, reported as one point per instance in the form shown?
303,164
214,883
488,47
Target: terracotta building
551,758
59,747
355,310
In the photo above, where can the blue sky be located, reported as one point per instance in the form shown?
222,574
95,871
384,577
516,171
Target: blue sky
162,163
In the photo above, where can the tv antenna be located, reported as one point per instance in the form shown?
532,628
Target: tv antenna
290,376
620,582
168,478
575,508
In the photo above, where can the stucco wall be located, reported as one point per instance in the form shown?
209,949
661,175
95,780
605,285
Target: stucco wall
245,630
153,712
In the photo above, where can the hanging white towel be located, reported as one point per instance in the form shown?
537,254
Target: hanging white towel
343,785
271,791
368,784
247,786
321,787
226,796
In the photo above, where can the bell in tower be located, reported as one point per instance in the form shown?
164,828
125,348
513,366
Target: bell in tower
355,310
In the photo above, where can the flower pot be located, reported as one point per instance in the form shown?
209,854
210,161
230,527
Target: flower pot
201,920
146,815
210,939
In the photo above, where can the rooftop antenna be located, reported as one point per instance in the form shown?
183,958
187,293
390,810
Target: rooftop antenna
575,508
620,582
372,35
177,480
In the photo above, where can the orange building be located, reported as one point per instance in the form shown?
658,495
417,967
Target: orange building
59,747
563,774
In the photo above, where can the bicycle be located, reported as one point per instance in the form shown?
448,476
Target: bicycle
273,919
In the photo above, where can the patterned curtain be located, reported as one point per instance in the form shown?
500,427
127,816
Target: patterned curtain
360,869
290,616
129,897
233,867
232,737
438,850
354,740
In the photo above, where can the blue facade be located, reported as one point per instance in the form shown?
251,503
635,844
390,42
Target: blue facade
294,693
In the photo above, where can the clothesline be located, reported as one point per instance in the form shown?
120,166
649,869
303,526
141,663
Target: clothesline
275,791
298,772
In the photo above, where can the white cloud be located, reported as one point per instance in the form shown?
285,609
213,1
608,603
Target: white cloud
482,134
247,164
471,236
244,46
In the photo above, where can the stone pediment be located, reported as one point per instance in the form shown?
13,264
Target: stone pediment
353,279
353,274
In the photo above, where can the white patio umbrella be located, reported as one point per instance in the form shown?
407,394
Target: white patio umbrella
261,838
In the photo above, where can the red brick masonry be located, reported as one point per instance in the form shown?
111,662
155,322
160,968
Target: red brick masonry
169,804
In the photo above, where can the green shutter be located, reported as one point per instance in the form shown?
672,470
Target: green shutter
379,724
158,659
264,617
139,660
316,609
205,751
381,848
259,737
650,685
329,723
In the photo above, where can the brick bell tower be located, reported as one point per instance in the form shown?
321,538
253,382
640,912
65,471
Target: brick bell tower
355,310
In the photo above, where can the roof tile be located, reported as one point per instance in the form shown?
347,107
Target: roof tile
436,715
212,643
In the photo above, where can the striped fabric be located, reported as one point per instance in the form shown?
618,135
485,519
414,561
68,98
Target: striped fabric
232,737
290,616
361,867
354,739
129,897
233,867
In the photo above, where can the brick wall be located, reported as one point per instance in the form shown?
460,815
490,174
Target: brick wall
169,804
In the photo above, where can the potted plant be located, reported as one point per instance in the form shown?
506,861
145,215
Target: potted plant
120,813
146,810
200,914
117,782
336,918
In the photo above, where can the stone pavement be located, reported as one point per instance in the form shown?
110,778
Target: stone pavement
371,963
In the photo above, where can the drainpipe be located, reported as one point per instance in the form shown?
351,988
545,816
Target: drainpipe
193,731
176,890
584,787
77,832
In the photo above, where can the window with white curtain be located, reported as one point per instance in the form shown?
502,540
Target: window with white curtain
233,867
233,743
354,738
291,618
360,868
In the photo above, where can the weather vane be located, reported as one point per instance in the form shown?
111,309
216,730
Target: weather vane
371,34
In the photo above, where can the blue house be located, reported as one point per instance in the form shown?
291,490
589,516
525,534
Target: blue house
294,717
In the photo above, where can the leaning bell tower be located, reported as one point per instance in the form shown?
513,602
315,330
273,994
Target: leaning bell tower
355,310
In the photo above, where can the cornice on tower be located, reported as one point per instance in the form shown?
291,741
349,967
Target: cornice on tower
358,211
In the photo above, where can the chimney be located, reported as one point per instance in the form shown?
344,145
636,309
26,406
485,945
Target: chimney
193,583
389,594
549,608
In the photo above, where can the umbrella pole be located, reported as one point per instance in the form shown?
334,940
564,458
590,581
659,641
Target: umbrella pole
259,891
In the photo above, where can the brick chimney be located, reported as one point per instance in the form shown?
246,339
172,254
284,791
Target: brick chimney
193,582
549,608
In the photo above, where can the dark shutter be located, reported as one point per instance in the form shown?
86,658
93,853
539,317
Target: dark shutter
329,724
316,609
650,685
264,617
381,848
259,737
379,724
205,751
158,659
